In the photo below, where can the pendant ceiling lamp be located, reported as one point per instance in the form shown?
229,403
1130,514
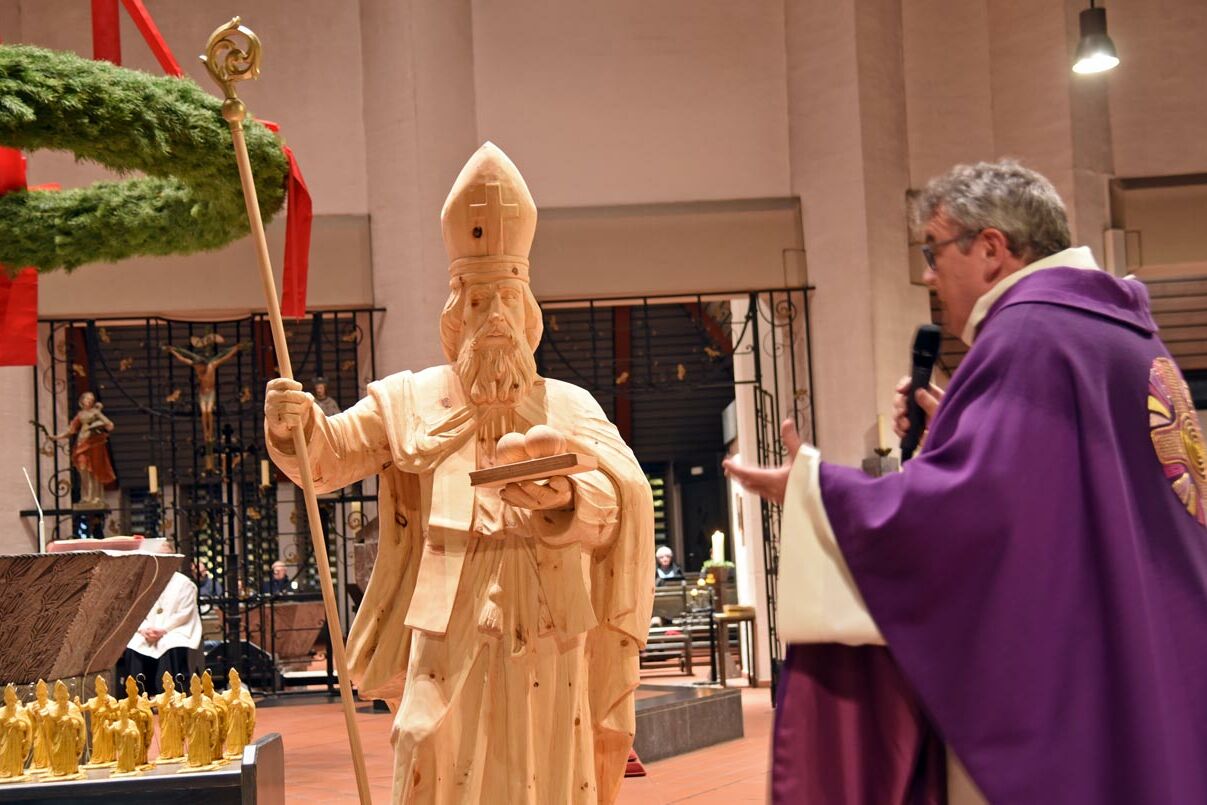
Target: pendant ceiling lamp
1095,51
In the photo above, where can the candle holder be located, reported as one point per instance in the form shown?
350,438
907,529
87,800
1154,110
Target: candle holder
881,464
716,574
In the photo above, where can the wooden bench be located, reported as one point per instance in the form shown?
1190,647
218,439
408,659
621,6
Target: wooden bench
668,644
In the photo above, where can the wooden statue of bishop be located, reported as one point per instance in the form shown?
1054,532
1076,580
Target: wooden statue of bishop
501,625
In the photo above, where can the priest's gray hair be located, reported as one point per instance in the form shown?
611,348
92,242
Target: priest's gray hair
1002,195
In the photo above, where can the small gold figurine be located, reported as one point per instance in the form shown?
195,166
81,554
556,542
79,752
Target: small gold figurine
240,714
207,690
66,736
201,727
37,712
171,730
127,740
102,710
143,718
16,737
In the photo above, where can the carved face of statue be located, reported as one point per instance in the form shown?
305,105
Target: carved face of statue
101,688
195,686
131,687
41,691
10,696
60,693
168,684
494,362
87,400
232,679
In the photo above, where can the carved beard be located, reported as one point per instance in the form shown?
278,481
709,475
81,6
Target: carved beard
495,375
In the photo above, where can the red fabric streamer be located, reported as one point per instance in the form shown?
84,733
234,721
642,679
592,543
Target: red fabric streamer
19,294
299,213
19,318
106,31
107,35
150,32
12,170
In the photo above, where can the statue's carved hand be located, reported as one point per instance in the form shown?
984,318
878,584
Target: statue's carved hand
557,493
286,407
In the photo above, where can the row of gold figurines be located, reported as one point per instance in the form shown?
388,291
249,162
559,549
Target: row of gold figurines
46,740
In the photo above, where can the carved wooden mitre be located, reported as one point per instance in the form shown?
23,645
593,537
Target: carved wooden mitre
488,220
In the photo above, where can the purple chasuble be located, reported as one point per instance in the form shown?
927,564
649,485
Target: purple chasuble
1039,571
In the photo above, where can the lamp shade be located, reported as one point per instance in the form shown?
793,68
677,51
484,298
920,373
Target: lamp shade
1095,51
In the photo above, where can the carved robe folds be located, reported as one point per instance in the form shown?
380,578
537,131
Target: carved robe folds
506,640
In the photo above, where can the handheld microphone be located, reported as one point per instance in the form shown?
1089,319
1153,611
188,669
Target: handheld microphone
927,341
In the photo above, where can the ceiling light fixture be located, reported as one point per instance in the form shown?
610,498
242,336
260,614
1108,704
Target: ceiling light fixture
1095,51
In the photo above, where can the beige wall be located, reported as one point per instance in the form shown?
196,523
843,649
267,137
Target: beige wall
1158,110
1168,221
669,248
220,283
631,101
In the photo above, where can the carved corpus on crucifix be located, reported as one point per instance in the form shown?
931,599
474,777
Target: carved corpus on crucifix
206,370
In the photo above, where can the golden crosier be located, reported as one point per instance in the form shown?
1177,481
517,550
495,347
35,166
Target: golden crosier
227,62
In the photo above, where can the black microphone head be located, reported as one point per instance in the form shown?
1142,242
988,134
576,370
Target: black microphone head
927,342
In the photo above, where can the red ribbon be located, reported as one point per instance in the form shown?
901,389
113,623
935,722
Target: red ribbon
106,31
299,212
19,293
107,34
150,32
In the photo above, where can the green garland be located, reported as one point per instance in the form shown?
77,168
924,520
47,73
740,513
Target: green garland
166,128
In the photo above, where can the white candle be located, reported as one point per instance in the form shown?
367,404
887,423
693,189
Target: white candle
882,432
718,546
356,506
153,479
264,476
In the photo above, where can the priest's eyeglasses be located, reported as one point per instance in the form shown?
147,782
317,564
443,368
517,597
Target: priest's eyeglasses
929,249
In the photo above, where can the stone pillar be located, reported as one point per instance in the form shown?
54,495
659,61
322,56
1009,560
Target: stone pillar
420,128
992,78
850,166
1056,121
19,535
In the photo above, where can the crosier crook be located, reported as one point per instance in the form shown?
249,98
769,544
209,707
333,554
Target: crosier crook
228,63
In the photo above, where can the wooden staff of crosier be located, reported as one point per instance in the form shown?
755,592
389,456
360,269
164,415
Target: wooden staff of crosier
227,62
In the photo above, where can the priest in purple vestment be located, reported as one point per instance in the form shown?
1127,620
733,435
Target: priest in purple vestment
1038,573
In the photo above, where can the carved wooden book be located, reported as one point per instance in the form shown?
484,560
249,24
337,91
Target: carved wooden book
534,469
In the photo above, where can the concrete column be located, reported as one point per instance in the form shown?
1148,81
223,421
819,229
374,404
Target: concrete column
420,128
19,535
850,166
16,405
1055,120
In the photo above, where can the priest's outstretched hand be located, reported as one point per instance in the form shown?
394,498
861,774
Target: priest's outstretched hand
768,482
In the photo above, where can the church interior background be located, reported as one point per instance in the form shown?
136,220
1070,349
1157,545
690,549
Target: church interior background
721,244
